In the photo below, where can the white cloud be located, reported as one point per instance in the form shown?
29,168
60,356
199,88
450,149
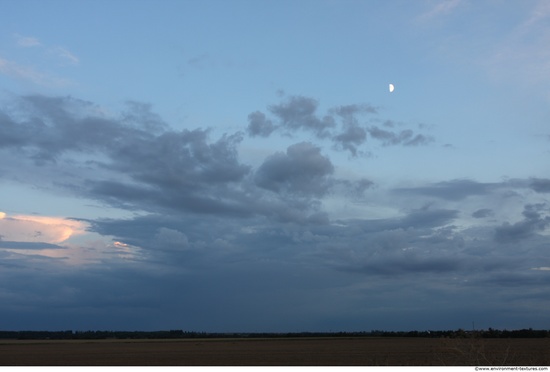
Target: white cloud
65,55
27,41
539,12
523,53
58,51
29,237
46,229
42,54
442,8
26,73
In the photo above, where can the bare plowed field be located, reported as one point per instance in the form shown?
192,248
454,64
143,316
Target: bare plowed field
278,352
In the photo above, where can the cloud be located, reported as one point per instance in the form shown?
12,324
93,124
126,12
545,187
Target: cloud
135,161
539,13
427,217
521,48
49,127
354,189
349,112
65,55
424,218
33,238
440,9
27,245
176,171
540,185
408,264
211,236
302,170
351,138
26,73
26,41
205,240
513,50
171,239
483,213
532,223
405,137
59,52
199,60
451,190
142,115
39,229
340,125
39,76
298,112
259,125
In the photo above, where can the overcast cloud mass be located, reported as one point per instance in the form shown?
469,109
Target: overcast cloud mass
261,178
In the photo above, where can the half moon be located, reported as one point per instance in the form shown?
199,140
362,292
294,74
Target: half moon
391,88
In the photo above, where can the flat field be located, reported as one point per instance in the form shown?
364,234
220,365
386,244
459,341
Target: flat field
277,352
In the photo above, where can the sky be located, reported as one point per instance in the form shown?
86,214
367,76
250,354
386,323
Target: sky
242,166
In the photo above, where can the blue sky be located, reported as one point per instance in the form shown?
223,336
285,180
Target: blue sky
242,165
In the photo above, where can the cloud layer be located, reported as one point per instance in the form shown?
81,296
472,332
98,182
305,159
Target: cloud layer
210,232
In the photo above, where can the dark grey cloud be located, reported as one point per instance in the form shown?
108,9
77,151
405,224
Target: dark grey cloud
451,190
302,170
349,111
533,222
424,218
44,128
351,135
178,171
405,137
180,159
427,217
259,125
298,112
27,245
483,213
199,241
541,185
410,264
354,189
181,166
144,165
193,266
521,280
418,248
136,162
12,134
142,115
351,138
340,125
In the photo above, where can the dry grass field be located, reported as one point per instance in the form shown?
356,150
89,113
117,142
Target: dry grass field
279,352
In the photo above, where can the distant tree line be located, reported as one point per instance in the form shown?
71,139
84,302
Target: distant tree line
180,334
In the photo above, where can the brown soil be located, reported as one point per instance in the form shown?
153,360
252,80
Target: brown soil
279,352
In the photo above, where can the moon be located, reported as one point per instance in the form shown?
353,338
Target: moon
391,88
